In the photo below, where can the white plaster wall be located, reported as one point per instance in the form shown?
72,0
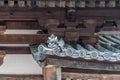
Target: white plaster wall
21,31
20,64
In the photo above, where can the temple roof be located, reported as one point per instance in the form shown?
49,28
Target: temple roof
107,48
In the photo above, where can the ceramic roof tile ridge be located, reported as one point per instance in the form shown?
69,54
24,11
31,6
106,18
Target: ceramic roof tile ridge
58,47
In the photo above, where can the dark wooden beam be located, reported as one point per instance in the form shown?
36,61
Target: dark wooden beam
21,77
9,17
100,13
81,59
82,64
87,76
28,24
59,13
88,71
34,13
16,50
23,38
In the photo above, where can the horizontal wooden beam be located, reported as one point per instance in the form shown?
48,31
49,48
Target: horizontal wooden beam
82,64
8,17
59,13
81,59
100,13
87,71
23,38
21,77
23,24
16,49
90,76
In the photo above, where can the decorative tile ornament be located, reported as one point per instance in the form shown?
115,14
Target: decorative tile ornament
58,47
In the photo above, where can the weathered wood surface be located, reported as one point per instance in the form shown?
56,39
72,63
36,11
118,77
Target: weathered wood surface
83,64
16,49
88,71
52,73
84,76
28,24
2,55
43,13
23,38
19,17
20,77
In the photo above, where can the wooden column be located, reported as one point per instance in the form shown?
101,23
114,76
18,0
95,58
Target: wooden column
2,54
52,72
